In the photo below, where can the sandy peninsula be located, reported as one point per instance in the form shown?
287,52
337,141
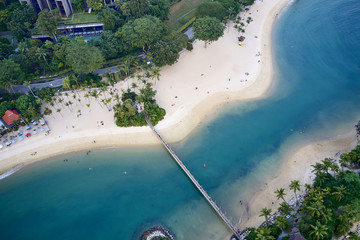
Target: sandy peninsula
199,83
192,89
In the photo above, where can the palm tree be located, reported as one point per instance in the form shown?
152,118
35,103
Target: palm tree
316,209
61,101
295,186
335,169
343,162
327,163
284,208
86,95
339,192
88,105
281,223
27,83
265,212
59,111
280,193
155,73
126,66
307,187
70,103
318,231
41,53
48,111
263,233
95,95
318,168
327,215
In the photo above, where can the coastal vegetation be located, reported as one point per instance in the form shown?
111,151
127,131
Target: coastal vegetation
208,29
125,111
123,33
328,207
134,37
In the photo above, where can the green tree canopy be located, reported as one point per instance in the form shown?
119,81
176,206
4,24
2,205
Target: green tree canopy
84,58
5,105
135,8
110,18
45,94
22,21
211,9
10,73
208,29
142,32
280,193
109,45
47,21
231,4
95,5
160,8
5,50
78,5
247,2
28,106
166,51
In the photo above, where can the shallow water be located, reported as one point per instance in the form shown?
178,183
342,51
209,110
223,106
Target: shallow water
117,193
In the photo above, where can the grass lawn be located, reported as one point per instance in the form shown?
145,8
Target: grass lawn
182,12
78,18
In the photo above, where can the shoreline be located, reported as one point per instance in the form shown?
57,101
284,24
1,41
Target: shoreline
180,120
295,165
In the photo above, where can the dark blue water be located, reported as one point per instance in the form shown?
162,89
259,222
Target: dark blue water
116,193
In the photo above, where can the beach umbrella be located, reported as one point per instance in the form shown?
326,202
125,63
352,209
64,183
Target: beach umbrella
35,123
34,132
42,123
14,140
42,129
1,146
8,143
28,127
21,137
28,135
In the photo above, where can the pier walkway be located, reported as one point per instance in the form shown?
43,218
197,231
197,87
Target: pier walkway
195,182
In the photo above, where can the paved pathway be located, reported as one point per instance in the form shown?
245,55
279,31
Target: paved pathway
56,82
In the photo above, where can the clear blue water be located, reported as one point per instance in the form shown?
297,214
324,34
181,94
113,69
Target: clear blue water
316,90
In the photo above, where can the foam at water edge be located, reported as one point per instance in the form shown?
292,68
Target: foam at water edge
12,171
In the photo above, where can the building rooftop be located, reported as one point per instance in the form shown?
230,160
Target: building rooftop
10,116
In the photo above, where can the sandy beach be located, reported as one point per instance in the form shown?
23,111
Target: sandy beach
296,166
192,89
200,82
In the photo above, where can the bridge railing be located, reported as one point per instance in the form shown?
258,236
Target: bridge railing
195,182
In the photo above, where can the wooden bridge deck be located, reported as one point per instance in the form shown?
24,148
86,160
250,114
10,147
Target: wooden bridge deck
195,182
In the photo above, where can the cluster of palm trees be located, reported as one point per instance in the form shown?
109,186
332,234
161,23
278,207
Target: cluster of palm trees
329,206
351,159
240,26
105,95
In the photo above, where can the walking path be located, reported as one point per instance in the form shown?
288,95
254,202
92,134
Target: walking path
195,182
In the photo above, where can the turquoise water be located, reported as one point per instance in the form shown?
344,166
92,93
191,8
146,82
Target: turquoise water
116,193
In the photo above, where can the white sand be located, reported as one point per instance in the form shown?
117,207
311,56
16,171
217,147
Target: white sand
296,167
208,70
219,62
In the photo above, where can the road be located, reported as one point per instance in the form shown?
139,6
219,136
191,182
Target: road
58,81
